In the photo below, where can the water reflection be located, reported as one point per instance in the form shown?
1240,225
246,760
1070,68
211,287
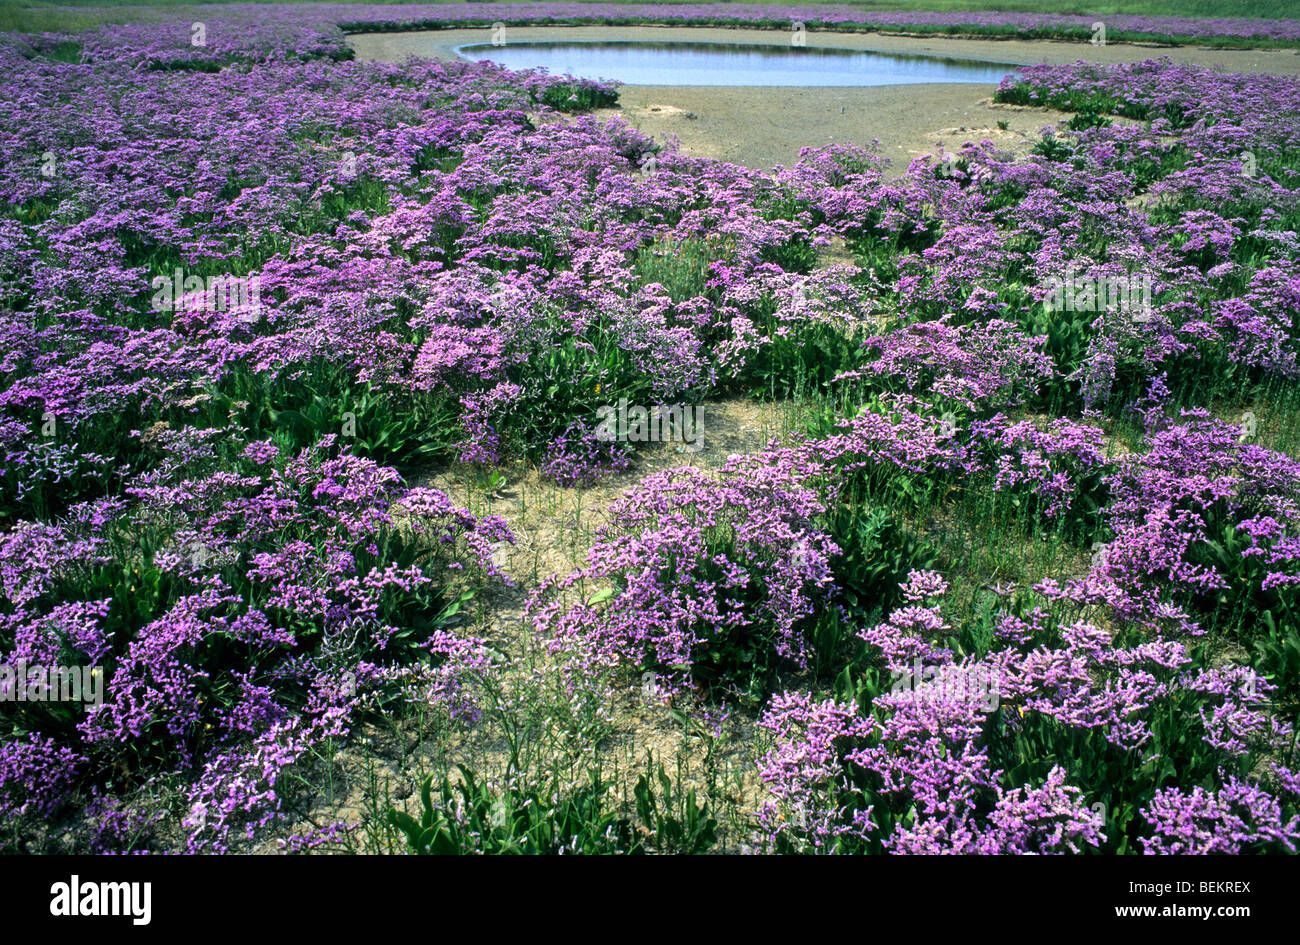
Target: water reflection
733,64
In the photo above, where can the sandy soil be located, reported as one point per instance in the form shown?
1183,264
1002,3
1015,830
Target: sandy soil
763,126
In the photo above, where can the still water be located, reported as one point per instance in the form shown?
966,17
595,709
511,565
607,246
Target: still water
728,64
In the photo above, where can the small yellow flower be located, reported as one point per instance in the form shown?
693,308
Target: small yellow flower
597,388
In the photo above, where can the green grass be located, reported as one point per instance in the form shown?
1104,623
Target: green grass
15,17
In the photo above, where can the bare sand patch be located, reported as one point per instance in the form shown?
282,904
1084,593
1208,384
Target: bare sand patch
763,127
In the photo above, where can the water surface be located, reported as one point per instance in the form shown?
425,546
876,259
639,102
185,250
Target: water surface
733,64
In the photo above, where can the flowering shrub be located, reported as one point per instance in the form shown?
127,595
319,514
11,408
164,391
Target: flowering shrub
1080,717
1058,470
715,577
214,603
1238,818
970,366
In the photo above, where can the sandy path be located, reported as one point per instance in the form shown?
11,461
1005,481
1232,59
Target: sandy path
763,126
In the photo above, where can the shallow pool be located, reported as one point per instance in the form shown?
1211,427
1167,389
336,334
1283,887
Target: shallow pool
733,64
